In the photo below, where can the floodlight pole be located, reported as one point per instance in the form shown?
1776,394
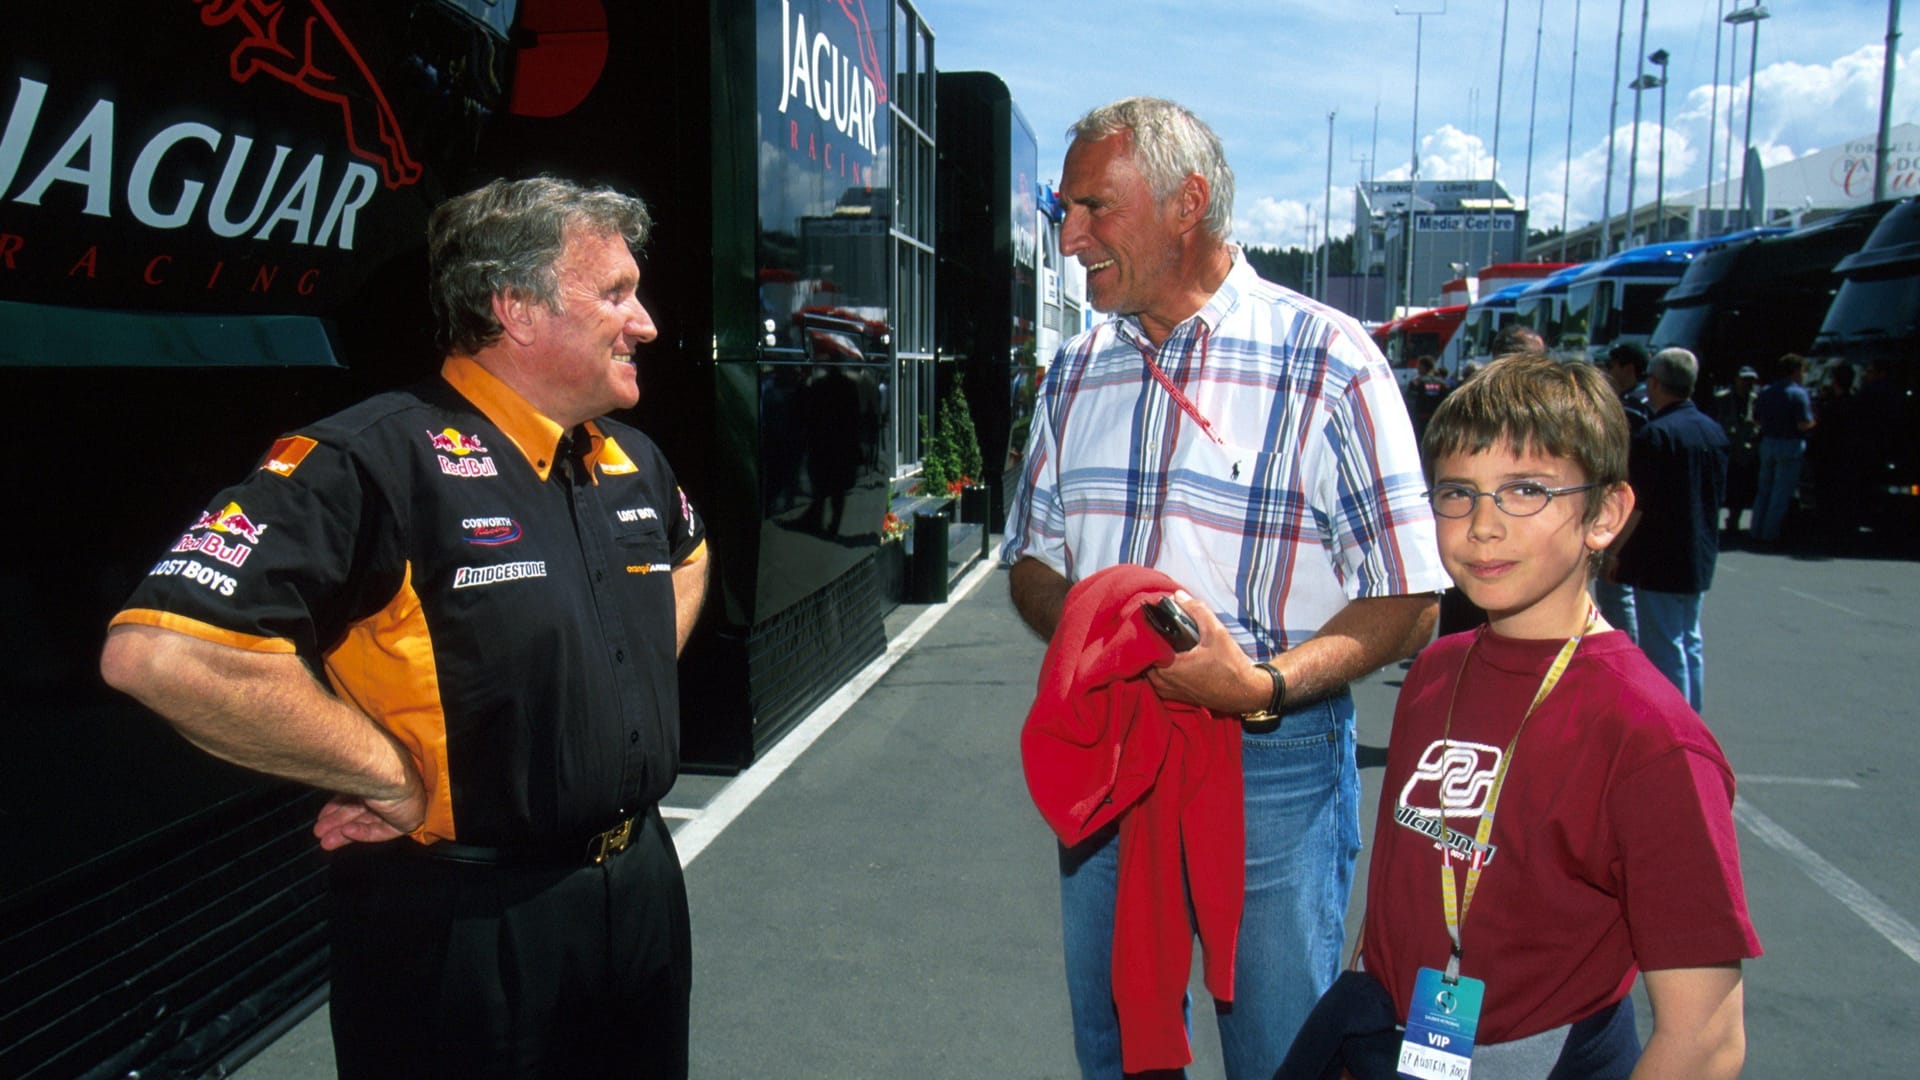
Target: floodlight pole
1419,34
1613,124
1752,15
1566,169
1886,100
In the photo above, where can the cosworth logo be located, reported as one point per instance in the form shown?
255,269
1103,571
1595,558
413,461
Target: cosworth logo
490,531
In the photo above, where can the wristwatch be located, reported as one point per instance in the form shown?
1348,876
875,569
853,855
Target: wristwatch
1267,719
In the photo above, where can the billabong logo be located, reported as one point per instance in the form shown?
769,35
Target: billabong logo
300,43
1453,778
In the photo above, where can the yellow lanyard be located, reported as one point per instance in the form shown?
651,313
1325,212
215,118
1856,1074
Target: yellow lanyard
1456,911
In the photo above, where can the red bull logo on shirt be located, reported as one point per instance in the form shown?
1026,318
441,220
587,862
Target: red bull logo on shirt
231,519
450,441
213,528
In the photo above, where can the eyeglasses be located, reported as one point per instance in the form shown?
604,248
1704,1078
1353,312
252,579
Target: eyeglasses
1522,498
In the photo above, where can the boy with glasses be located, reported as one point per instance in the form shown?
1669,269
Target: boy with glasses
1554,819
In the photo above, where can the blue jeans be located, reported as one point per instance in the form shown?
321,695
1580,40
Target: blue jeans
1780,461
1670,636
1303,835
1616,604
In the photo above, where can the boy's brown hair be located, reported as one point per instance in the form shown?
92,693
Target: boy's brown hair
1536,404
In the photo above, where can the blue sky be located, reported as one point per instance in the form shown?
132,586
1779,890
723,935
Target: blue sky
1265,73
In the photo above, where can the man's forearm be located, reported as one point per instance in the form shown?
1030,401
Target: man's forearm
689,593
263,712
1363,636
1039,594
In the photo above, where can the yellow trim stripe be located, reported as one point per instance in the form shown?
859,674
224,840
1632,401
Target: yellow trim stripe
385,666
194,628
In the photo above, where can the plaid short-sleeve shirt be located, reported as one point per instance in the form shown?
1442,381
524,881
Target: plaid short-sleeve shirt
1287,484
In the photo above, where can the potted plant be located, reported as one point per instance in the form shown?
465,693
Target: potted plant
952,465
890,559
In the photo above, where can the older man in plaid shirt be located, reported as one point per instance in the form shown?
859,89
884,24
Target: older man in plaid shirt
1252,445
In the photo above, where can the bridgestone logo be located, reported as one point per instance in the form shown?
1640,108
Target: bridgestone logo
467,576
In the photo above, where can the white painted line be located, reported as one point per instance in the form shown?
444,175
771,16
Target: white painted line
1799,781
742,790
1869,907
679,813
1829,603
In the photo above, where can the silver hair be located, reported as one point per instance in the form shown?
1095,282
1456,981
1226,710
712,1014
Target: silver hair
1676,369
1169,144
508,237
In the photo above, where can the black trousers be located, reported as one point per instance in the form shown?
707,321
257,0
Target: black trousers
454,969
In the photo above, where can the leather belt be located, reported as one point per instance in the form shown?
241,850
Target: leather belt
591,851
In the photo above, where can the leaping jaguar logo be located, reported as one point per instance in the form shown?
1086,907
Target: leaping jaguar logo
322,64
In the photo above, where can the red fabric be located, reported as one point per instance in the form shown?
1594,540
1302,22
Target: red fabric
1614,840
1099,744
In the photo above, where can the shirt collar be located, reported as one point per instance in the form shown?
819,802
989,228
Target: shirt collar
536,437
1240,278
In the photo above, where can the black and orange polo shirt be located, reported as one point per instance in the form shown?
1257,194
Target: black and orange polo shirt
495,590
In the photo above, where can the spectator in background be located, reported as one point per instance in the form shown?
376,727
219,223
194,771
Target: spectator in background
1784,414
1733,407
1424,394
1518,339
1627,370
1884,414
1666,552
1836,477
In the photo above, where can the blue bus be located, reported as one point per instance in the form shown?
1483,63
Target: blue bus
1617,300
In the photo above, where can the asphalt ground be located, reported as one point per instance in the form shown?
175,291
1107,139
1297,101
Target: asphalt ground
878,898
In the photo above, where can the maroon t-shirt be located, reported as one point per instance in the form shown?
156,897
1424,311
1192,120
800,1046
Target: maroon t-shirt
1613,843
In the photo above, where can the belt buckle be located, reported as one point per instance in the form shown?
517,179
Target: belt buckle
612,842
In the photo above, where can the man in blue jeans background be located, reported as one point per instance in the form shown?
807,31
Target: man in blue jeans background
1253,446
1784,413
1667,551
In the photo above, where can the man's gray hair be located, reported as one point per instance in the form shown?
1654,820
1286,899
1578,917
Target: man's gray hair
1675,369
1169,144
508,237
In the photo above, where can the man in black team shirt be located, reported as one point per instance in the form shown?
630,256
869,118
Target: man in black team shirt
495,579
